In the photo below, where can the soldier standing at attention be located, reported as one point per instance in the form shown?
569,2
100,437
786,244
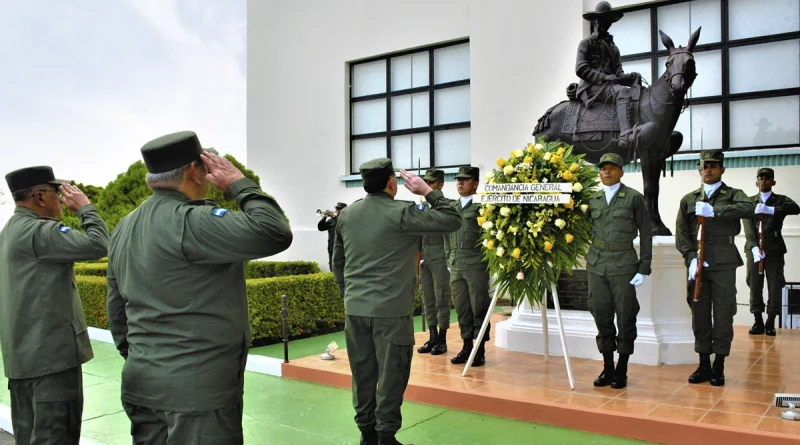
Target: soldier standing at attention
619,214
722,207
43,329
435,280
328,224
177,303
374,262
469,275
773,208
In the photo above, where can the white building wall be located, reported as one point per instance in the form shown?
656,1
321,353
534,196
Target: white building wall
522,59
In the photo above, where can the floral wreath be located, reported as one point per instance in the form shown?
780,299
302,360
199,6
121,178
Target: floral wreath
528,246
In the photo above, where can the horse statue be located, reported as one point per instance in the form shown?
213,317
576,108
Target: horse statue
593,131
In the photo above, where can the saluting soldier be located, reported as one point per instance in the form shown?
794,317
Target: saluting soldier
435,278
177,303
43,329
374,256
619,214
773,208
722,207
328,224
469,274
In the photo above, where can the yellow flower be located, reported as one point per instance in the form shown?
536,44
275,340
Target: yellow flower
548,246
516,253
555,159
508,170
501,162
490,245
561,151
568,237
570,203
531,148
481,220
566,175
528,160
574,167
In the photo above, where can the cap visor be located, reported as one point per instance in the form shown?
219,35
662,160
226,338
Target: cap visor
58,182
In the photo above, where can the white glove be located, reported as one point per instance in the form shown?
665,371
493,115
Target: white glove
757,255
421,261
704,209
637,280
761,208
693,268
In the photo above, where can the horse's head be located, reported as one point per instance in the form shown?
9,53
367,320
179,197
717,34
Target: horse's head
681,70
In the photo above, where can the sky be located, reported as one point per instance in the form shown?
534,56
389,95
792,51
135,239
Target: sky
85,83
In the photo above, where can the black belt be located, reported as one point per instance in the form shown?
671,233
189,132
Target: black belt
719,239
602,245
466,244
772,234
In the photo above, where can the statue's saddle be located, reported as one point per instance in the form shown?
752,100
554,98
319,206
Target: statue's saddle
587,124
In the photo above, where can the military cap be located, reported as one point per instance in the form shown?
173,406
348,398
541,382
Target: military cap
712,156
171,151
434,175
28,177
468,172
611,158
765,172
340,205
376,172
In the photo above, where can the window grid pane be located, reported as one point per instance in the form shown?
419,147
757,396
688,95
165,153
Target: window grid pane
764,122
369,78
749,18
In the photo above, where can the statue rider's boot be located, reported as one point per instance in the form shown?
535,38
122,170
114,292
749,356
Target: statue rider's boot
626,135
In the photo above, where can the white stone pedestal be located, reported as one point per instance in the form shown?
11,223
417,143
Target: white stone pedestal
664,323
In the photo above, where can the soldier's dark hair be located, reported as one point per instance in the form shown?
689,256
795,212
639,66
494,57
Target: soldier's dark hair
375,187
22,195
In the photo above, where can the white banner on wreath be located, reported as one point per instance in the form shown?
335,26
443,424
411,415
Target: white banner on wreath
526,187
536,198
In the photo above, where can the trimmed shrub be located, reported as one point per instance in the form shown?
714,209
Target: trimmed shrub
91,269
313,301
268,269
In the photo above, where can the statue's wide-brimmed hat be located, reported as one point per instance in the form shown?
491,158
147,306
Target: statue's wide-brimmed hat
603,11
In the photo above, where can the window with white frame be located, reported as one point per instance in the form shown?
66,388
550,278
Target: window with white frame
412,107
747,93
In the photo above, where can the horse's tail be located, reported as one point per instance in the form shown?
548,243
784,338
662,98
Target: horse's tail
544,122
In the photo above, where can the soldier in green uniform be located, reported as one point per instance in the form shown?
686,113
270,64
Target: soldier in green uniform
619,214
469,275
773,208
43,330
374,256
722,207
435,279
177,303
328,224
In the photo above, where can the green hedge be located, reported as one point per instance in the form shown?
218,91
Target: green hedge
252,270
313,300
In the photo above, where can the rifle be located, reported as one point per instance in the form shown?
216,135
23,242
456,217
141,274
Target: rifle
701,241
419,252
761,243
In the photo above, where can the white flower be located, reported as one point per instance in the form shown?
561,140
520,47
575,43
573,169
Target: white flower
577,187
499,234
502,266
500,251
489,176
547,156
485,242
513,229
538,146
545,179
487,225
560,223
520,276
519,153
584,208
481,212
505,211
508,169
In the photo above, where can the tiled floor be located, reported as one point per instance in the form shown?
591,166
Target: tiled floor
757,368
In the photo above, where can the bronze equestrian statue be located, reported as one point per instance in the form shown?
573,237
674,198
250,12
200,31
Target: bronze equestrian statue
609,111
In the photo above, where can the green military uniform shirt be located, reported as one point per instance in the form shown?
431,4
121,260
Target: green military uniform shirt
375,283
433,246
615,226
42,326
773,224
464,250
177,300
730,205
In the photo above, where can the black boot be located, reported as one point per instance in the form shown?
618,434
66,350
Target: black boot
607,376
718,371
369,437
480,356
387,439
703,373
428,346
625,138
758,326
769,328
463,355
621,373
441,343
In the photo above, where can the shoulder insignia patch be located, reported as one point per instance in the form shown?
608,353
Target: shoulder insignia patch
219,212
64,229
724,192
621,194
421,207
